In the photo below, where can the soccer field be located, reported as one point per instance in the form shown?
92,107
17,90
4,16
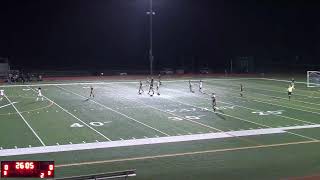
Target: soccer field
176,135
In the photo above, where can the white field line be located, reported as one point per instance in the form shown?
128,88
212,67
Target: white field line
241,119
281,80
310,138
192,121
282,92
111,82
201,124
115,111
278,91
176,101
274,115
294,100
25,121
75,117
186,153
255,99
7,105
145,141
281,98
295,119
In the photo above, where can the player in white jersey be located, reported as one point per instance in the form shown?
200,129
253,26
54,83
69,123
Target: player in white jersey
39,94
1,94
200,86
290,89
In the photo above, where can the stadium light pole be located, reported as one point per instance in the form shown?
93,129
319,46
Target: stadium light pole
151,13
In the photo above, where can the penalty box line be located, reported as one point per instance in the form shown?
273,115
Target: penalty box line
25,121
75,117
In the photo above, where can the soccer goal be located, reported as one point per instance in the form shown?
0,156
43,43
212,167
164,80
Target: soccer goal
313,78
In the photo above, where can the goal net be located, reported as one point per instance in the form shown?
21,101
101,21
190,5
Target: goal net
313,78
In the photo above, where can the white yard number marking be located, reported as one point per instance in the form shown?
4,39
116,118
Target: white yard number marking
76,125
266,113
193,117
96,124
175,118
186,117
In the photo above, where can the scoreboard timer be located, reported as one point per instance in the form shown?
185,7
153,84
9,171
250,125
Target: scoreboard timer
27,169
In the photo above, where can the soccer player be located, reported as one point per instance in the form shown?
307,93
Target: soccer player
91,92
200,86
39,94
158,86
159,77
241,90
1,94
214,101
290,89
190,86
140,88
292,82
151,88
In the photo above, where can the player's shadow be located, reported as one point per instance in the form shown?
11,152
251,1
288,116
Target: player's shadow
219,115
86,100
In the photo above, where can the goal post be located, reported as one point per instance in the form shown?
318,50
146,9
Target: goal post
313,78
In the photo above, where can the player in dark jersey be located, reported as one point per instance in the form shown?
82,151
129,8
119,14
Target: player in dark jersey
159,79
140,88
241,90
91,92
214,101
151,88
158,88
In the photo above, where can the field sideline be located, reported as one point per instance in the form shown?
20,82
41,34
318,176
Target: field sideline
174,132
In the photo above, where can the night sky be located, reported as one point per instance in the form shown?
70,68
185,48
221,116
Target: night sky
113,34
